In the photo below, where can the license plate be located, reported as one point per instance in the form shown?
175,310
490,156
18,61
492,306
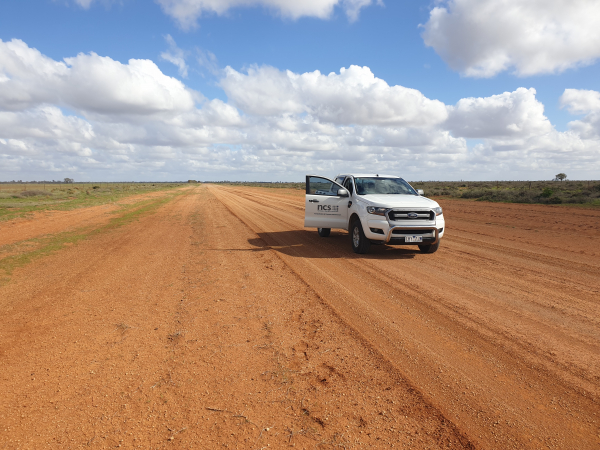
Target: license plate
413,239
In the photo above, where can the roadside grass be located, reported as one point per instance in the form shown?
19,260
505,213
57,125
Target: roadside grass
20,200
24,252
572,193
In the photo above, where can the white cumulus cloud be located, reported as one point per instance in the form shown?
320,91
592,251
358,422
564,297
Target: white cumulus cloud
354,96
91,117
581,101
27,77
187,12
511,114
481,38
87,83
45,123
103,85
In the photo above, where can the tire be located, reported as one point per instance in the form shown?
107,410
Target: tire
324,232
360,244
431,248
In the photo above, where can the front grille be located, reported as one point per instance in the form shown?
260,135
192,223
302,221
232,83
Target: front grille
408,215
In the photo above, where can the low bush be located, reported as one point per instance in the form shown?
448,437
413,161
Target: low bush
545,192
555,201
33,193
497,196
475,193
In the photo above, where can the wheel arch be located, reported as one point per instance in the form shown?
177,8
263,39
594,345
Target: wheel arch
352,218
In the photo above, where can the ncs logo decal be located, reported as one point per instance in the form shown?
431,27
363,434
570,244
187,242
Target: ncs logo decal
328,208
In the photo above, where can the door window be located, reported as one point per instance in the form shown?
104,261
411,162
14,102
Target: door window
348,185
321,186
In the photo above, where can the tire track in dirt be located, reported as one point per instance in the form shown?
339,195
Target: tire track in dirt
506,356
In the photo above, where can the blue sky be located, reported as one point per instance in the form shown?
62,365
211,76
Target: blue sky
223,133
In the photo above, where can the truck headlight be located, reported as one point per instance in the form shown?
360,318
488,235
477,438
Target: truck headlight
376,210
438,210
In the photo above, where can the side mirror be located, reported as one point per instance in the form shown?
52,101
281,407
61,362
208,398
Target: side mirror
343,193
420,192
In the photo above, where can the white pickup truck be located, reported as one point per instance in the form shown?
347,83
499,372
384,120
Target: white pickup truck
375,209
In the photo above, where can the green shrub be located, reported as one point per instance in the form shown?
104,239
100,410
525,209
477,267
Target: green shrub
547,193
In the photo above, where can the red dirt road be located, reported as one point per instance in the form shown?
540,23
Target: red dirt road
500,329
217,321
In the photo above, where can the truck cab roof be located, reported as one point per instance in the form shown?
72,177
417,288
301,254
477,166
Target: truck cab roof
366,175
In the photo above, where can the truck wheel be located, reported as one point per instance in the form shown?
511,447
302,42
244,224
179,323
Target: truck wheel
324,232
431,248
360,244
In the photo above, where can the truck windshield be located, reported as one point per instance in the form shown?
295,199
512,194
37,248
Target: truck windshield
367,186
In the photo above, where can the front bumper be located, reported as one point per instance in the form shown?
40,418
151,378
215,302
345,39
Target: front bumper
385,231
397,234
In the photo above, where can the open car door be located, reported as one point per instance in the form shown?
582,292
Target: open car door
324,206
